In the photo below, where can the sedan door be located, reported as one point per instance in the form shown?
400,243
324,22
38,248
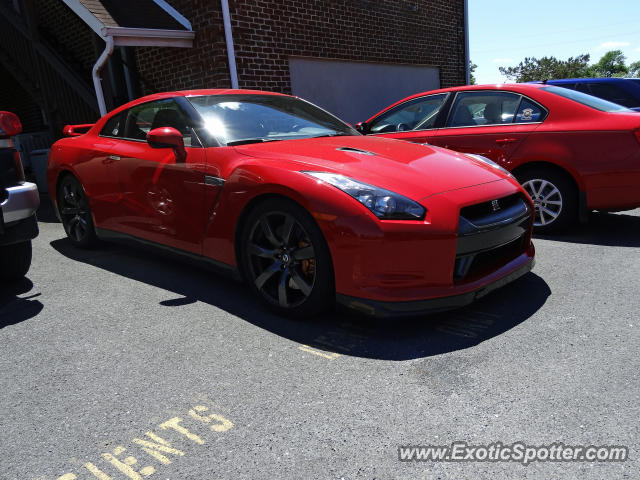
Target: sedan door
414,120
162,198
489,123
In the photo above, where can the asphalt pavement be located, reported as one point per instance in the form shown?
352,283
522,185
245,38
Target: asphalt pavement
120,363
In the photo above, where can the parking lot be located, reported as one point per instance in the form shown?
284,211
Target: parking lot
102,346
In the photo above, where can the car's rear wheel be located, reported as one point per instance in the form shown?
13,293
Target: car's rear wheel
15,260
285,259
75,212
554,196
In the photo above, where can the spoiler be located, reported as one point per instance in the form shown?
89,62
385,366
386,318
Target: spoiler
76,130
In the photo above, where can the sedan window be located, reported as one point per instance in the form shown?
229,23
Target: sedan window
417,114
588,100
483,108
530,112
162,113
113,127
613,93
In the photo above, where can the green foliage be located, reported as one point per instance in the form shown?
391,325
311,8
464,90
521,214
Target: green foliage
472,69
547,68
612,64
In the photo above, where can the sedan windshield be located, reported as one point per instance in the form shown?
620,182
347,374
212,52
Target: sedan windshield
588,100
246,118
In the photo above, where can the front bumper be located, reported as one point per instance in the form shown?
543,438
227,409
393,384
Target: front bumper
517,268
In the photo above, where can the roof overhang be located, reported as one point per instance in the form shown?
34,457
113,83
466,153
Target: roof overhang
137,37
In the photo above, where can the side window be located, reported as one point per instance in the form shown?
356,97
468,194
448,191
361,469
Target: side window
482,108
418,114
162,113
530,112
613,93
113,127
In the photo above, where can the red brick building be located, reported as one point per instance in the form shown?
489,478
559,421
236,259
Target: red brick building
350,56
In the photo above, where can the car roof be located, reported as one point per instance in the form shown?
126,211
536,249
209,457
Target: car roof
190,93
590,80
514,87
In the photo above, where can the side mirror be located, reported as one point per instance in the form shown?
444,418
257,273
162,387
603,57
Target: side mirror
9,124
362,127
168,137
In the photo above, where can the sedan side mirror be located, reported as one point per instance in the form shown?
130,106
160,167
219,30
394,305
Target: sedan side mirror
168,137
362,127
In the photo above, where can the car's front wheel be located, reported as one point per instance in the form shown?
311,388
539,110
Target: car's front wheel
15,260
554,196
285,259
75,212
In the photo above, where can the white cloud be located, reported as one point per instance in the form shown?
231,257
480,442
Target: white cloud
638,49
609,45
502,60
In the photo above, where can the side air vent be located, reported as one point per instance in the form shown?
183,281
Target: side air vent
355,150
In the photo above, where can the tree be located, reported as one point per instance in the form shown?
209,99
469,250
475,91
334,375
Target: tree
472,69
612,64
547,68
634,69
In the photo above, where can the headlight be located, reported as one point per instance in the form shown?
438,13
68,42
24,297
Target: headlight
384,204
489,162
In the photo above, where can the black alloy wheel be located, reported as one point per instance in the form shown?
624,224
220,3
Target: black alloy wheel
75,212
286,260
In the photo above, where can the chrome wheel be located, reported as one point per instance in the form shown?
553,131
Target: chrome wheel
281,259
547,200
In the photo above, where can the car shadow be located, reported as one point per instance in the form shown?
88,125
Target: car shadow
605,229
14,307
335,333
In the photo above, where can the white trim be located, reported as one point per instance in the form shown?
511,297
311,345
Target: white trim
85,14
95,73
174,13
228,35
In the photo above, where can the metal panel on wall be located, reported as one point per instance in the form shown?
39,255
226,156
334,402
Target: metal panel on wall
354,91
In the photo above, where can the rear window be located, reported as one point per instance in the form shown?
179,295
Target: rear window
588,100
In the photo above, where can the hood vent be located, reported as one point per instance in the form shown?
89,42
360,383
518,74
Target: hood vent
355,150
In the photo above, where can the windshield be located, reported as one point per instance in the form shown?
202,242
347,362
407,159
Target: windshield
588,100
246,118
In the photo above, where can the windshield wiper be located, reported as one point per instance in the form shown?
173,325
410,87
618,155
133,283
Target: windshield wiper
247,141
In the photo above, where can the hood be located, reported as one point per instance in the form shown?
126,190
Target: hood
415,171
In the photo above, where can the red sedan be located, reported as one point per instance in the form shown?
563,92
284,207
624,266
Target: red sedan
297,203
572,152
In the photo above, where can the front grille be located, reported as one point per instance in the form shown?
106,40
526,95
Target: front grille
490,235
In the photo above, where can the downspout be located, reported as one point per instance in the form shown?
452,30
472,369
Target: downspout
228,35
95,73
467,58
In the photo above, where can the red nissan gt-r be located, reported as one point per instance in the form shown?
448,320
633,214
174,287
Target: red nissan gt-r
571,151
297,203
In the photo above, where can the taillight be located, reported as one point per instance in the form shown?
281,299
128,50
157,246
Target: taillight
9,124
637,132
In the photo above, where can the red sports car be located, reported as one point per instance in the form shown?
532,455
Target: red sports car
571,151
297,203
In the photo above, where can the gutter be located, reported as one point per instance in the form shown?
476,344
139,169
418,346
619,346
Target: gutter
95,74
467,58
228,35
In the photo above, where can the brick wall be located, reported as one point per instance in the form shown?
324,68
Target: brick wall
266,33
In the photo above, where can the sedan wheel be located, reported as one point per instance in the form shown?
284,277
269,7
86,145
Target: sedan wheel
75,212
554,196
286,259
547,200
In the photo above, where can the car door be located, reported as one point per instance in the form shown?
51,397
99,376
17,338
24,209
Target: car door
162,199
489,123
414,120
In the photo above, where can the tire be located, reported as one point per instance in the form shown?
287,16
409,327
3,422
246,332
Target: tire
15,260
75,212
285,259
555,198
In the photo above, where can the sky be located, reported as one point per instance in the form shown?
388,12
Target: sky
502,33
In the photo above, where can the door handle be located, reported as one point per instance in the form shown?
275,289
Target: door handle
115,158
504,141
